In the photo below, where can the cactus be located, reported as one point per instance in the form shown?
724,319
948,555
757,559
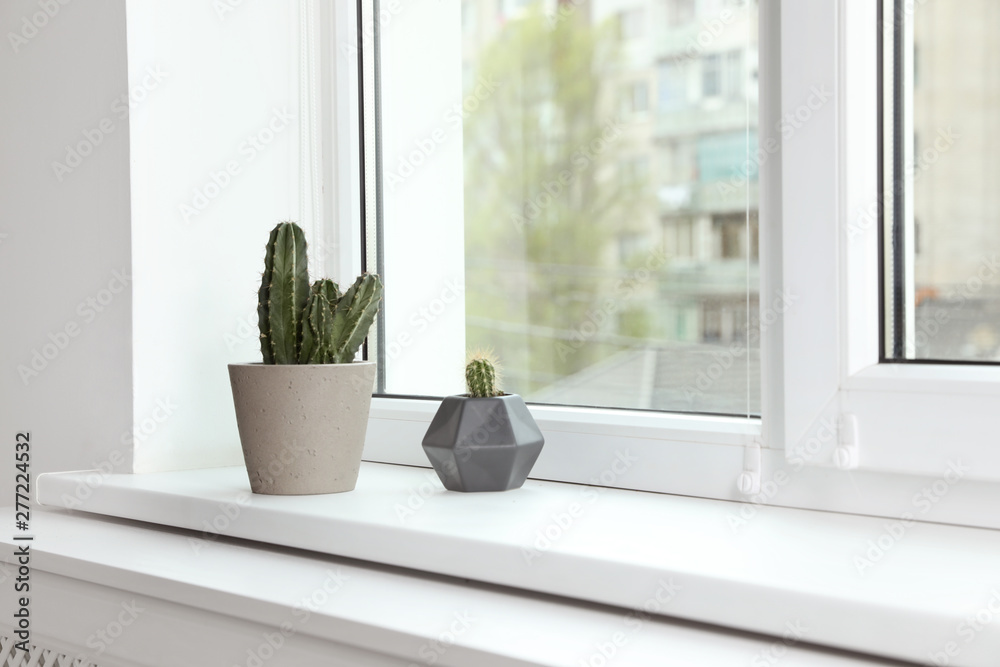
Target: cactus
482,377
318,326
281,299
355,313
326,327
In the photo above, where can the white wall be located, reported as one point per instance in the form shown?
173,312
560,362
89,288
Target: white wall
63,240
199,229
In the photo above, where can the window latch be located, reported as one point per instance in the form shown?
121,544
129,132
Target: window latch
749,480
845,456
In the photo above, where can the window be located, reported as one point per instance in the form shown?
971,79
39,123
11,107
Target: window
711,75
672,84
896,424
680,12
631,23
678,237
636,97
545,234
735,76
942,303
521,259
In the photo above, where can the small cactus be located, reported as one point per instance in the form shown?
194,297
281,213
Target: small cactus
482,377
300,324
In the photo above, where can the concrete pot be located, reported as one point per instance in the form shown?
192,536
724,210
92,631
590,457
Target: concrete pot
483,444
302,427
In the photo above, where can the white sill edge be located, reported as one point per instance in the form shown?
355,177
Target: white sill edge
417,619
786,566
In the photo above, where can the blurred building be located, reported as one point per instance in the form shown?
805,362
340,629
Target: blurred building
687,95
956,117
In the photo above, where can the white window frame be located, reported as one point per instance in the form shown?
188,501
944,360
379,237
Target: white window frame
840,431
910,420
641,450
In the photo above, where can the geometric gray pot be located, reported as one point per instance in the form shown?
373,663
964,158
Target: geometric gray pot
302,427
483,444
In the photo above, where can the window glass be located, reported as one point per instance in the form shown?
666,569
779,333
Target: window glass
941,164
606,239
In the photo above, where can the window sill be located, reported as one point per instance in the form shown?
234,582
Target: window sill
609,546
229,599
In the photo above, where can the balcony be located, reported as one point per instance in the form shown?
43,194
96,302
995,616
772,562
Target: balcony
711,115
717,197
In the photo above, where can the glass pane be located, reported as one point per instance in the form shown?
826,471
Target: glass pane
609,195
941,170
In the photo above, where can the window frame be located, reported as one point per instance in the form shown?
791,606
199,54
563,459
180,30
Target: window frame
582,444
874,427
908,418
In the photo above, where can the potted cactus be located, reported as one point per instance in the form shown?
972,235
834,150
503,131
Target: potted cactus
484,440
303,413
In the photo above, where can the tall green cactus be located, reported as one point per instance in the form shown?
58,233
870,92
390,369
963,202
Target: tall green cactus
318,327
300,324
481,376
284,289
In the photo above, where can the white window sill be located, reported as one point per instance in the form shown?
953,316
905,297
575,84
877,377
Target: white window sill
225,597
783,566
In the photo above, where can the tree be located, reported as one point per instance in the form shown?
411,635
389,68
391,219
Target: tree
543,199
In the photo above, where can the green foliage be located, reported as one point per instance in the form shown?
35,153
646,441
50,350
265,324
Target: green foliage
481,376
303,325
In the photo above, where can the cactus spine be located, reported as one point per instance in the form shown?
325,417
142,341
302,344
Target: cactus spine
300,324
481,376
284,289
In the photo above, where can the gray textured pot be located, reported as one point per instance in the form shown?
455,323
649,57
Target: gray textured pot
302,427
483,444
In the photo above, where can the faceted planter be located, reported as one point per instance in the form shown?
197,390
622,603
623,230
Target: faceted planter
302,427
483,444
